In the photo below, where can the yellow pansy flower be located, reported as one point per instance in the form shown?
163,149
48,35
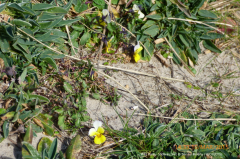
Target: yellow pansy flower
97,131
137,50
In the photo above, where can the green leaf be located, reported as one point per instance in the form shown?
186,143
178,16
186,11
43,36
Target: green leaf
27,146
48,17
29,134
44,143
2,6
23,75
42,6
57,10
67,22
67,87
211,36
210,46
61,120
78,27
96,96
53,149
155,17
74,148
184,39
5,129
21,22
150,47
84,39
2,111
41,98
16,116
148,24
99,3
15,6
5,47
207,13
68,5
80,7
152,31
51,62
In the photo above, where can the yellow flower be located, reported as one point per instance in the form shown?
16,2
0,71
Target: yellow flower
109,44
97,131
136,55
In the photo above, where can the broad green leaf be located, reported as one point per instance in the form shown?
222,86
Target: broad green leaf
41,98
48,16
21,22
23,75
67,87
57,10
28,10
15,6
80,7
2,111
16,116
67,22
53,149
2,6
61,123
5,129
178,142
75,35
42,6
96,96
45,24
5,47
68,5
155,17
148,24
48,129
27,146
29,134
163,34
184,39
78,27
99,3
51,62
44,143
84,39
74,148
8,116
152,31
198,133
211,36
183,56
210,46
207,13
150,47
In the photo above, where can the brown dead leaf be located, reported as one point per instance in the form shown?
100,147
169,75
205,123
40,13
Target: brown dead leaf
160,40
1,64
108,143
204,5
7,103
163,60
121,2
207,51
38,122
190,62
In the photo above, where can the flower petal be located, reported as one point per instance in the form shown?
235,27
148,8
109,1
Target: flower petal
99,140
108,19
92,132
105,12
135,7
97,124
141,15
136,57
100,130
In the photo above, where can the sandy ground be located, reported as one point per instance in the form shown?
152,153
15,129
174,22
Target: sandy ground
155,93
